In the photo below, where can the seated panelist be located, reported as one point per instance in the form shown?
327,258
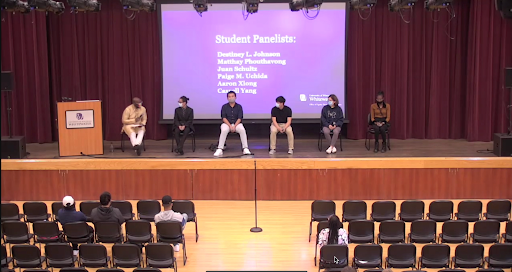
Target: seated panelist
134,123
281,123
183,123
332,120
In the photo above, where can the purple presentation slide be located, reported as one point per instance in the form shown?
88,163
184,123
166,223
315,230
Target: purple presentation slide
274,52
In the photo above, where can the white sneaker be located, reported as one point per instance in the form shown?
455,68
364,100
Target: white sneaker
272,152
75,252
329,150
247,151
334,150
290,151
177,248
218,153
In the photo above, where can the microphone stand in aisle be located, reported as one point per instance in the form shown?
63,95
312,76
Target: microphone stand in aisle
256,228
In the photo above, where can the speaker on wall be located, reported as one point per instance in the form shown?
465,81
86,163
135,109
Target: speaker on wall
6,81
505,7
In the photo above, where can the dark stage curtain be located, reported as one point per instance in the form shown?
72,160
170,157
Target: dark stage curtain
438,87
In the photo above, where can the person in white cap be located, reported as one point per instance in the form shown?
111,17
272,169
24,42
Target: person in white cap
68,214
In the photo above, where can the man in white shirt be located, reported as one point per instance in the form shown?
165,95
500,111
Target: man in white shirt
169,215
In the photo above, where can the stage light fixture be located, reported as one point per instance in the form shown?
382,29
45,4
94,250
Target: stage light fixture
15,6
47,6
84,5
138,5
251,6
200,6
362,4
398,5
296,5
432,5
505,7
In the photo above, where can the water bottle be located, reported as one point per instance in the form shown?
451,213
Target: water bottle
111,147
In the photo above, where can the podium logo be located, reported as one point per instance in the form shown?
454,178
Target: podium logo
80,119
79,116
302,97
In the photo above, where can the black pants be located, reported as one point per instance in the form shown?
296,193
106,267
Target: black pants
91,230
180,141
380,131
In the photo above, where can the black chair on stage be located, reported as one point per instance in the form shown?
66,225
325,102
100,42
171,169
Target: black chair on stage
499,256
507,236
123,136
160,255
125,207
321,137
468,256
486,231
498,209
411,210
138,232
35,211
361,232
469,210
10,212
328,253
440,210
367,256
434,256
86,208
187,207
401,256
319,227
383,210
321,210
191,134
93,255
454,231
371,131
391,231
147,209
423,231
354,210
172,233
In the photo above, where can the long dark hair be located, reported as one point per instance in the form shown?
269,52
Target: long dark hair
334,226
381,93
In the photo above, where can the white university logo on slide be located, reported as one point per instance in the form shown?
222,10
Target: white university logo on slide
302,97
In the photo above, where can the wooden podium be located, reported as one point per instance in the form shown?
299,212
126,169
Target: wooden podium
80,128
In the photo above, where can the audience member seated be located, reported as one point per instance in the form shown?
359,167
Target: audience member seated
183,122
106,213
281,122
169,215
380,112
134,123
69,214
335,234
332,120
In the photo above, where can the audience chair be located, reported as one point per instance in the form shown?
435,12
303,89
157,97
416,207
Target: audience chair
56,206
321,138
87,206
138,232
125,207
78,233
108,232
321,210
498,209
6,260
172,233
451,270
147,209
401,256
33,270
4,269
147,269
191,134
391,231
59,255
383,210
35,211
411,210
469,210
423,231
490,270
468,256
112,270
434,256
507,236
16,232
187,207
327,255
160,255
440,210
126,256
371,131
27,256
46,232
486,231
73,269
319,227
354,210
367,256
454,231
499,256
93,255
361,232
123,135
11,212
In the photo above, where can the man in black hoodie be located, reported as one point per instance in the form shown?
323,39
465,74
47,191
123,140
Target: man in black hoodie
106,213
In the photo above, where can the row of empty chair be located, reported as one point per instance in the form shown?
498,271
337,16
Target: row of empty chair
140,269
411,210
404,256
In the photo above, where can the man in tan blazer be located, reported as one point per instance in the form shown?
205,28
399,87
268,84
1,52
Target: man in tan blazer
134,123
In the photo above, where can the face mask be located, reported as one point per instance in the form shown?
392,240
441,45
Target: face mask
330,103
232,100
277,105
379,102
180,105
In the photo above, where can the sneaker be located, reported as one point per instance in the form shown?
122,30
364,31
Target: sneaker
272,152
329,150
334,149
218,153
290,151
247,151
177,248
75,252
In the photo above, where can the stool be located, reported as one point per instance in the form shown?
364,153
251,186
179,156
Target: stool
122,141
191,133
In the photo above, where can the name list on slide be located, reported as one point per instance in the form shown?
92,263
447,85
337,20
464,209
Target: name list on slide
241,71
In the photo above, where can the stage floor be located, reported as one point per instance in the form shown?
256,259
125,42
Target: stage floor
303,149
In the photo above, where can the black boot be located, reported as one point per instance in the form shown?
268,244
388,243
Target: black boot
384,147
376,147
139,150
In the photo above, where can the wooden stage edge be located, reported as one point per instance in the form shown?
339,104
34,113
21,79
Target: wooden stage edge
260,164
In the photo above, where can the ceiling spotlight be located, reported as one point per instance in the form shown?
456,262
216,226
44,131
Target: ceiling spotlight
15,6
437,4
84,5
47,6
398,5
200,6
296,5
362,4
251,6
138,5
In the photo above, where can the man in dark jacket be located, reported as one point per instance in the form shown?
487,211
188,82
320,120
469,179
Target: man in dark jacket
106,213
68,214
